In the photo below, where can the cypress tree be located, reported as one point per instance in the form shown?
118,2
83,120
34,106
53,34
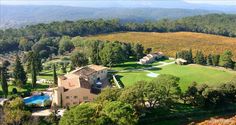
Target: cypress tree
33,73
4,81
54,74
18,72
190,56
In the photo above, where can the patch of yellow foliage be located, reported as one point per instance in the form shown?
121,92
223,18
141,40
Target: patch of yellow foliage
170,43
220,121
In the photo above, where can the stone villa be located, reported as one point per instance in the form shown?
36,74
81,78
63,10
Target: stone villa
150,58
80,85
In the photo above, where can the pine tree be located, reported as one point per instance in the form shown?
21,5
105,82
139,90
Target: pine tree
18,72
54,74
226,60
3,71
215,60
200,59
209,60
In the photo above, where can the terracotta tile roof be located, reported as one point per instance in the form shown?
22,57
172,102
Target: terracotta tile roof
84,83
85,71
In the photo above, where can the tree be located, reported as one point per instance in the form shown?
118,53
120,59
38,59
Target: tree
65,44
18,72
185,54
94,50
148,50
15,113
32,56
78,59
209,60
215,60
226,60
138,50
112,53
32,64
200,59
25,44
33,73
3,72
83,114
54,74
120,113
108,94
134,95
168,89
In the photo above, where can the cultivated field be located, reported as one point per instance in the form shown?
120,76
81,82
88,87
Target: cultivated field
169,43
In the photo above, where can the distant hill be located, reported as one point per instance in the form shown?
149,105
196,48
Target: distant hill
17,16
170,43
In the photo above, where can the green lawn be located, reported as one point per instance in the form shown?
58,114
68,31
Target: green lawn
187,75
39,87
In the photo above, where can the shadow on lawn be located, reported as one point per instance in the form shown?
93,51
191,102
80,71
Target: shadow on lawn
45,74
118,77
131,66
37,87
155,69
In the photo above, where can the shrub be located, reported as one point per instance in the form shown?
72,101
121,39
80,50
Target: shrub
14,91
47,103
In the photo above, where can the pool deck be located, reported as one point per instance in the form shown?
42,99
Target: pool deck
43,112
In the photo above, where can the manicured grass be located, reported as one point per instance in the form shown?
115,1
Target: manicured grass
39,87
169,43
187,74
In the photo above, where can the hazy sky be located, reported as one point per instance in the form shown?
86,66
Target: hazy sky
117,3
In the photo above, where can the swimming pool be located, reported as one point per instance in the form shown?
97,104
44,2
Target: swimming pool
36,99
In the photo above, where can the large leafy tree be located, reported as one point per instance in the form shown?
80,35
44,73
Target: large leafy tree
15,112
111,53
65,45
112,112
119,113
138,50
84,114
78,59
135,95
163,90
19,73
108,94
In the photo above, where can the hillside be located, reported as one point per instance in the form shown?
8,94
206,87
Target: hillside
169,43
16,16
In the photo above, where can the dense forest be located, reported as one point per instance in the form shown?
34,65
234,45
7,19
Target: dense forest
24,38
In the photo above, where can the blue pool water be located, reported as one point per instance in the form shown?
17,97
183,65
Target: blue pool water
36,99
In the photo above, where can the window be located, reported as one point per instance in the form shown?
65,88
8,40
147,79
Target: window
67,97
85,98
75,97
